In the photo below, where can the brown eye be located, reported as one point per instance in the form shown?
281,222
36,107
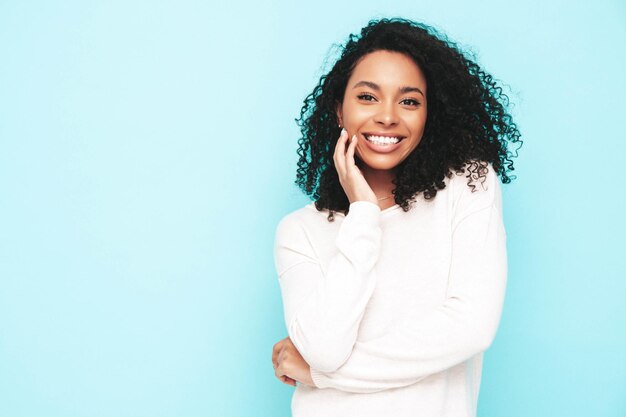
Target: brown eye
412,102
362,96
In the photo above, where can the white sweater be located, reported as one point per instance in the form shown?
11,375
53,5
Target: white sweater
391,309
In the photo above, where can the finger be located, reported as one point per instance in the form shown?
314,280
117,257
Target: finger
275,351
280,374
350,153
277,360
340,151
288,381
278,346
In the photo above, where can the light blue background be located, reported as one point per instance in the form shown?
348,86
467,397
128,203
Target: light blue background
147,152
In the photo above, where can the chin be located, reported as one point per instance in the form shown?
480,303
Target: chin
382,163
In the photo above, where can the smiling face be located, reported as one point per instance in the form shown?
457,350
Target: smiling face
385,98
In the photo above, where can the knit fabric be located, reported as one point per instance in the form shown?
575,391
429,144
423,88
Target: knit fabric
391,309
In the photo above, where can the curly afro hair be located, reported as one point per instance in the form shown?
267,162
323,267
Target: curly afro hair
467,124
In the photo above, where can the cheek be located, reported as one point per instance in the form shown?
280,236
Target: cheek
418,125
355,116
420,119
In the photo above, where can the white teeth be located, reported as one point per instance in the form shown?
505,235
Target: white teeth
383,140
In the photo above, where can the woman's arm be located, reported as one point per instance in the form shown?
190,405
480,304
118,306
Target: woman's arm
323,311
464,325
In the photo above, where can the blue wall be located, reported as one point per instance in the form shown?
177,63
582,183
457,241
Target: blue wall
147,152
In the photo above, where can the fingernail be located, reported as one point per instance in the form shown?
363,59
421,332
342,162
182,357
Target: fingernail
343,131
353,138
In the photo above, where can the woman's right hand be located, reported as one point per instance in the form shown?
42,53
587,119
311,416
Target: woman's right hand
350,176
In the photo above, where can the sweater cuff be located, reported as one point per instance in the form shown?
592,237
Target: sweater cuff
319,379
359,237
364,210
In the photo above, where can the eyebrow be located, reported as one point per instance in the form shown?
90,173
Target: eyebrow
374,86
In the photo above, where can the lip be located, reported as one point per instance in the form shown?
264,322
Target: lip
382,148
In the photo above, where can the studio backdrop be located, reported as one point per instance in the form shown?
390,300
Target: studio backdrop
148,151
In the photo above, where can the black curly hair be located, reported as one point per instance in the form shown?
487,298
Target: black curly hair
467,123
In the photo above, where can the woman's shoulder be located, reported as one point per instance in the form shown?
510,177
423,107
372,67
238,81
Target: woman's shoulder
477,173
303,217
477,187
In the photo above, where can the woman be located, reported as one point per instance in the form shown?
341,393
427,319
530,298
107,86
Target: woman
393,280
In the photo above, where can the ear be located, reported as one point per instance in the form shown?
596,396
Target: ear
339,113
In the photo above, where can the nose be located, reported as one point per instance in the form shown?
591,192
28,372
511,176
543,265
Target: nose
387,116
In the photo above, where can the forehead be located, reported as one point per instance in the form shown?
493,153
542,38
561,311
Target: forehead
389,70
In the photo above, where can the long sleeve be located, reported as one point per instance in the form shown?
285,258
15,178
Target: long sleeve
323,310
462,326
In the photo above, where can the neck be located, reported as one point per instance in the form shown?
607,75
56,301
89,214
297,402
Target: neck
380,182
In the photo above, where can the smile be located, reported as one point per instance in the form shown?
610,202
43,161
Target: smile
382,144
383,140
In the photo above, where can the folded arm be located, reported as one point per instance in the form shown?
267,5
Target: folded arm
462,326
323,310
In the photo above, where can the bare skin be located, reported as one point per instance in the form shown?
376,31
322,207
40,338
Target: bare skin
377,101
289,365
